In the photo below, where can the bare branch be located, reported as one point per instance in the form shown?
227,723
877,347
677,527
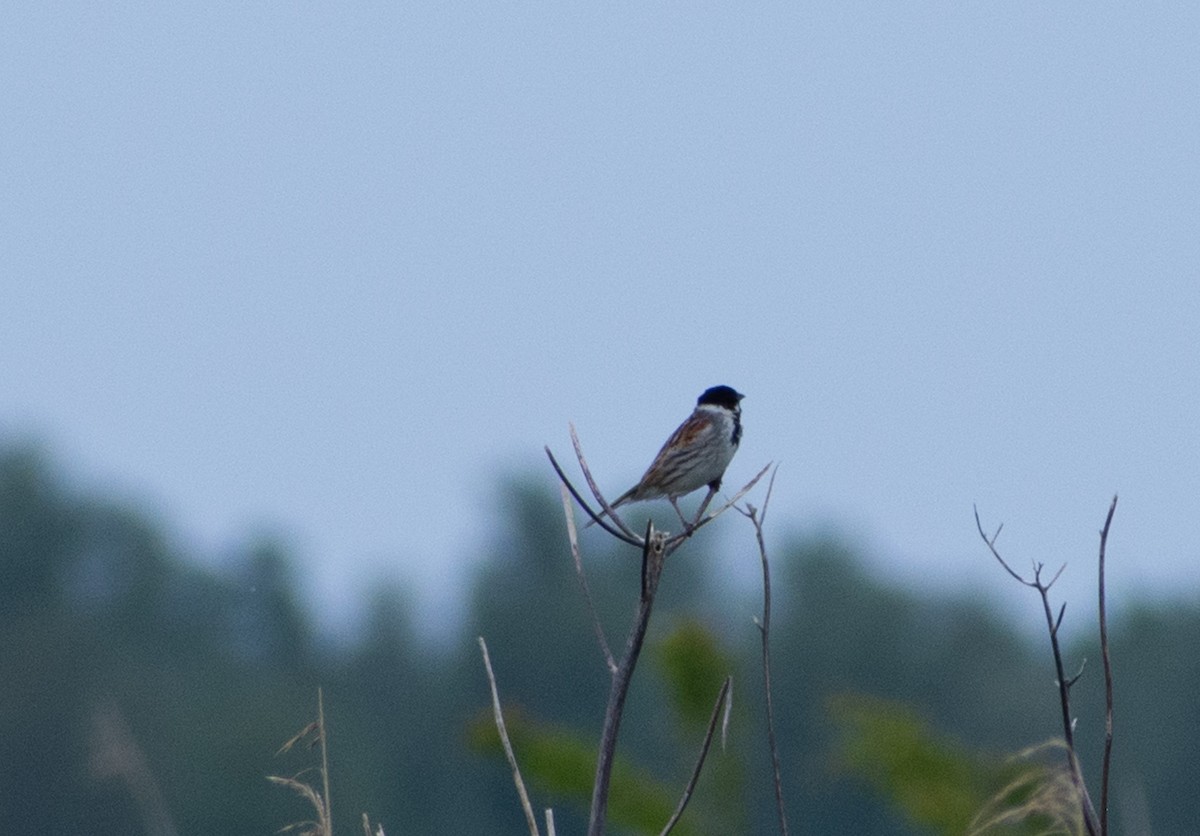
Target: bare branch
1064,685
1071,682
708,498
764,627
573,536
991,544
324,756
728,714
1108,676
530,819
691,785
653,559
678,539
1058,621
737,497
1054,579
583,504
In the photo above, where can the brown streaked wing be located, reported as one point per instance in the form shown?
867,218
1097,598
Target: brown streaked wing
688,433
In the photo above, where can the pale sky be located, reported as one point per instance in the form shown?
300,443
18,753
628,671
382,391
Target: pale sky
329,271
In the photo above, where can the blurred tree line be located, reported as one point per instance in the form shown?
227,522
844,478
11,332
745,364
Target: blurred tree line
140,693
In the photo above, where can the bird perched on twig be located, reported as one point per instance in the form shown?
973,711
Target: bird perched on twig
696,454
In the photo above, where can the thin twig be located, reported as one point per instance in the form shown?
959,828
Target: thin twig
675,541
653,557
530,819
1108,677
573,536
587,475
597,518
1064,699
550,821
708,498
1064,685
691,785
991,544
765,630
324,757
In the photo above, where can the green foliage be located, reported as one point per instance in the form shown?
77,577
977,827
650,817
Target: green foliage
932,780
945,786
694,667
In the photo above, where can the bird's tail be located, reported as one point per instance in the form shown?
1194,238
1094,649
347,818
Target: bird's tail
621,500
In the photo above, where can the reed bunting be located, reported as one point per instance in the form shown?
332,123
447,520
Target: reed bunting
696,454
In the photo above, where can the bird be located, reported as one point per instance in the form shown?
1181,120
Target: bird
696,454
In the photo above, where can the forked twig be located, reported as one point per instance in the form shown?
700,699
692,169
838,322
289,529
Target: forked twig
764,627
1064,684
597,518
675,541
530,818
691,784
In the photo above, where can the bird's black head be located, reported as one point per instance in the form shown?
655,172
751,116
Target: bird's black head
724,396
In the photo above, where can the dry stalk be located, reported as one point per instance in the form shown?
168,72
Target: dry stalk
1108,676
722,701
1054,623
764,627
530,819
314,732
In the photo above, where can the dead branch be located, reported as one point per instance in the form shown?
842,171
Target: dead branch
691,785
530,819
653,558
596,518
1064,685
737,497
1108,677
764,627
573,536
